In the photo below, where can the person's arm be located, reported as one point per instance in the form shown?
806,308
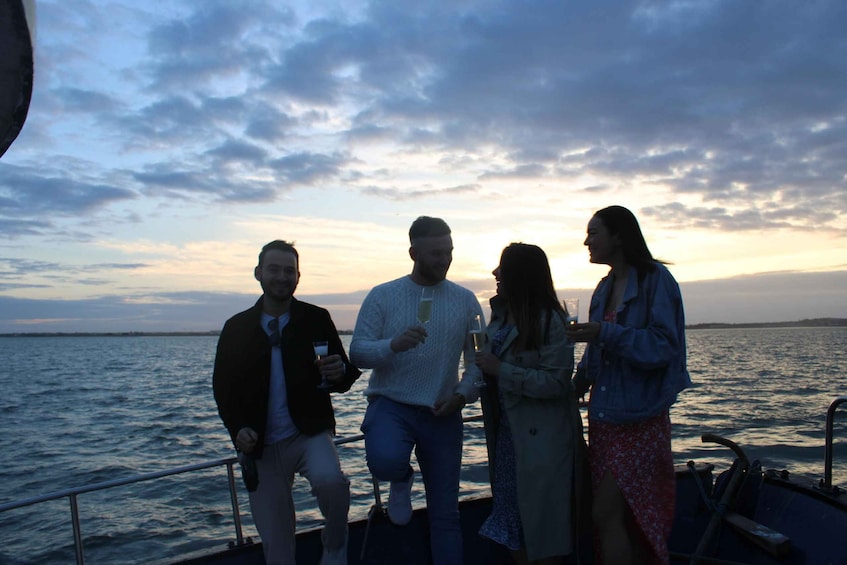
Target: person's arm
657,344
456,402
350,372
580,380
472,373
369,348
551,378
224,383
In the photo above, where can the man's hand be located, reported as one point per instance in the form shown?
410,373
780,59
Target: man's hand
331,368
452,404
409,339
246,439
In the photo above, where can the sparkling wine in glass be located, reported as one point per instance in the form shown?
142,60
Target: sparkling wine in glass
425,305
476,331
321,351
571,310
424,312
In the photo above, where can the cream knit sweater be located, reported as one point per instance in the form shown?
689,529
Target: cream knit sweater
430,372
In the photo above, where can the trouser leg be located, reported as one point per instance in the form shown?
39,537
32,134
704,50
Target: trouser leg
388,439
321,467
439,453
272,505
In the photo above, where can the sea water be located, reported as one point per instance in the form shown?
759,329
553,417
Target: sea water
78,410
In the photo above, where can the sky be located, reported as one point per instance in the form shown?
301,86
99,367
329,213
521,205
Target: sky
167,141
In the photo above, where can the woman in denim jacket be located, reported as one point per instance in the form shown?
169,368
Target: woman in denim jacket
532,424
635,364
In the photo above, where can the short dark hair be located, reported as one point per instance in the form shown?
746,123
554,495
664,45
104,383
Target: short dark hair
278,245
622,223
426,226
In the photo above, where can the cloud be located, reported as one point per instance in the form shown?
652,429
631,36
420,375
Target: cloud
765,297
65,189
179,311
724,121
734,103
723,219
419,193
14,270
308,168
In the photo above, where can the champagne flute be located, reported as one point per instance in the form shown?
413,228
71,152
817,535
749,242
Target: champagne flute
424,312
571,310
322,350
476,330
425,305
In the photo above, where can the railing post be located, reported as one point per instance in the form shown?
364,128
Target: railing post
80,557
826,483
236,513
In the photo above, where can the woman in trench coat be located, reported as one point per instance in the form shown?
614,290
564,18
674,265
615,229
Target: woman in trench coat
532,425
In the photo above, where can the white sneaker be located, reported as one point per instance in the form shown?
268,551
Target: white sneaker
400,501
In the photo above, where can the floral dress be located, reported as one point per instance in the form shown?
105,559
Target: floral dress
639,457
503,526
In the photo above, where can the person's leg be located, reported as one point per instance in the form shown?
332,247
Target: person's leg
320,466
272,505
388,439
439,453
610,513
388,448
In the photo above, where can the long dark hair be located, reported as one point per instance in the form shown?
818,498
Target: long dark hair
528,284
621,222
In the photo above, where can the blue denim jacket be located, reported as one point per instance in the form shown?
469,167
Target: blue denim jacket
636,366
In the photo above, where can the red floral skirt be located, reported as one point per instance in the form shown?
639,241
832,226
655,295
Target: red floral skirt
639,458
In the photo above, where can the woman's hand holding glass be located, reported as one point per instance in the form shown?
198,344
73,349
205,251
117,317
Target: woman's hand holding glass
583,332
476,333
488,363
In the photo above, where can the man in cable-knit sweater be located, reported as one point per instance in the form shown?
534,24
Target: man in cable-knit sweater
415,396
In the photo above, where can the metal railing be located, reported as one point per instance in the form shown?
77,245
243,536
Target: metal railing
73,493
826,482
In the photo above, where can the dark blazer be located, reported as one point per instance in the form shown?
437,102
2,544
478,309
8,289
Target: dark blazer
241,377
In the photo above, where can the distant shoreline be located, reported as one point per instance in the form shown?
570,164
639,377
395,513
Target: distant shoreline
125,334
810,323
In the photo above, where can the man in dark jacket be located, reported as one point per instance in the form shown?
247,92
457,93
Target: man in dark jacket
268,387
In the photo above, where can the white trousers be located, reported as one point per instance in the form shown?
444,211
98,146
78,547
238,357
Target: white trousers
315,458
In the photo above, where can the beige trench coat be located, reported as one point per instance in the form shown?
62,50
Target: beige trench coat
547,433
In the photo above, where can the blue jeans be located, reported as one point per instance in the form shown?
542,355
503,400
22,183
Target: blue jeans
391,430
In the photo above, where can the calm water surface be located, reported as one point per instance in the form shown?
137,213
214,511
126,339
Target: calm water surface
79,410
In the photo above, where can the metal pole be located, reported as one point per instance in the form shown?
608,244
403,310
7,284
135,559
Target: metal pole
233,496
830,421
742,465
80,558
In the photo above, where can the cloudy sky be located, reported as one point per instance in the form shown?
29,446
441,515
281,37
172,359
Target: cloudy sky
168,140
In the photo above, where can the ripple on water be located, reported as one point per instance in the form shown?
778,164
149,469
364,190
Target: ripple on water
93,409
